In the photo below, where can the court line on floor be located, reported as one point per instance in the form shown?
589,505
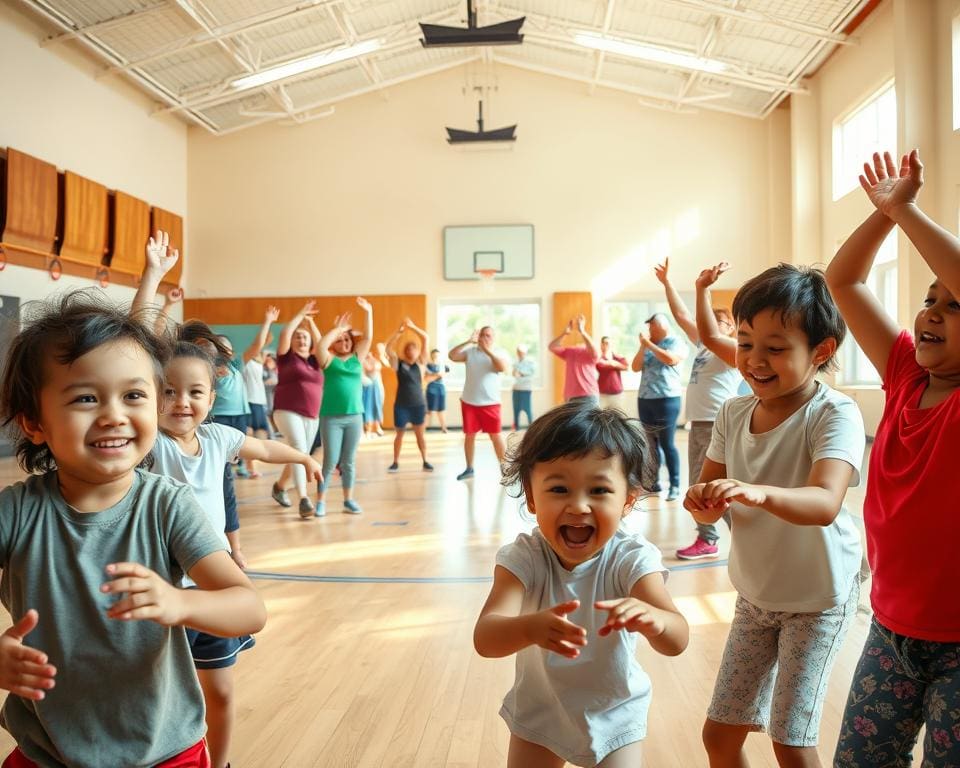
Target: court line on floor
270,576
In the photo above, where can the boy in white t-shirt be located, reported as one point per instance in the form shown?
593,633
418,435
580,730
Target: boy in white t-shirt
781,461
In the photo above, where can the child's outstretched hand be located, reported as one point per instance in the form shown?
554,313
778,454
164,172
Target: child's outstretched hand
886,186
718,494
158,260
23,670
148,596
630,614
552,631
709,276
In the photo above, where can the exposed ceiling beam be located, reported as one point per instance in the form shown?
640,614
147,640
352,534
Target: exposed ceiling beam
104,52
229,46
666,98
100,26
349,34
605,27
758,17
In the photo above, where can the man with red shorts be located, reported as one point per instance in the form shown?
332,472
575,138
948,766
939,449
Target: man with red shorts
480,402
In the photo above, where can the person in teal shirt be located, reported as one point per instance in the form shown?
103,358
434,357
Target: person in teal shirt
341,411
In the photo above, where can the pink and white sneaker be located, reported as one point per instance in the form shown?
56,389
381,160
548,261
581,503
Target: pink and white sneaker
699,550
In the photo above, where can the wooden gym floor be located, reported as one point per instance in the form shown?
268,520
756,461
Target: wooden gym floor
367,657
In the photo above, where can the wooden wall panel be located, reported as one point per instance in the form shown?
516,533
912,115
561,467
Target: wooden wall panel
131,230
722,299
173,226
85,220
566,306
388,312
31,203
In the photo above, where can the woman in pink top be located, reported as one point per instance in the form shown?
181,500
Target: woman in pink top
296,400
610,367
909,672
580,378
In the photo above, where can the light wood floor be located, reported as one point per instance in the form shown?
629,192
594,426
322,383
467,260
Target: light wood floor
367,659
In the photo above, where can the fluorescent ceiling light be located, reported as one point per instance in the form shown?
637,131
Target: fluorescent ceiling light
299,66
649,53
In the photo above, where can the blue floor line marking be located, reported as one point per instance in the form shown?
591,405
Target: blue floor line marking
266,575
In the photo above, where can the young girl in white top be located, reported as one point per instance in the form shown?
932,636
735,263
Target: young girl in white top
570,598
194,452
781,461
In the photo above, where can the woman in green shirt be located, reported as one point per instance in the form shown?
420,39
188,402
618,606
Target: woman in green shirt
341,411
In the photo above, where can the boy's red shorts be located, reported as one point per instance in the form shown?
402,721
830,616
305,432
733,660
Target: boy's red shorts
194,757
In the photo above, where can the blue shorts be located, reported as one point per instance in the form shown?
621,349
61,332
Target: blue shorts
258,418
212,652
237,422
402,415
436,401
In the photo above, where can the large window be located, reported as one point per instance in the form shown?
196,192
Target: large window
513,323
870,128
623,321
856,368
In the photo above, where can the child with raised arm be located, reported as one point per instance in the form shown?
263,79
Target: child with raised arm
193,451
571,598
909,673
91,547
780,461
714,378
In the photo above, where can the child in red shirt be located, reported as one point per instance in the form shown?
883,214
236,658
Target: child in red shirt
909,673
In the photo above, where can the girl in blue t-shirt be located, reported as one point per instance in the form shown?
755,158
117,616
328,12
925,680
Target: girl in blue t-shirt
570,598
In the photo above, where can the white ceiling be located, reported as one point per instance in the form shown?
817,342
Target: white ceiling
185,52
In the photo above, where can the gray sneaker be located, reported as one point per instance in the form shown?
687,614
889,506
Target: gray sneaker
306,508
280,496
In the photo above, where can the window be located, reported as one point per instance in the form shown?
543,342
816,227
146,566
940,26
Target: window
856,368
870,128
513,323
623,321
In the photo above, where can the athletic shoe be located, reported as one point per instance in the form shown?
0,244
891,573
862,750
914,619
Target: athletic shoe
393,467
306,508
427,466
350,507
466,474
242,472
700,549
674,493
321,509
280,496
655,488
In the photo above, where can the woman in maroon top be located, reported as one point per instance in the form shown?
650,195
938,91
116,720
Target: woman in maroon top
296,400
609,367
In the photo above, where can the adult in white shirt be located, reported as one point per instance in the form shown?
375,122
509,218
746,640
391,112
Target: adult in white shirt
480,401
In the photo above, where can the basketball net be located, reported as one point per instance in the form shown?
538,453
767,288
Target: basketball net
486,279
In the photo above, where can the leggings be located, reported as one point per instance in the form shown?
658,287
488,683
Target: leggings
521,404
901,684
298,432
659,419
341,436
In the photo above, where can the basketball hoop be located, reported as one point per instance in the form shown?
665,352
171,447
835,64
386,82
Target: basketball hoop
486,279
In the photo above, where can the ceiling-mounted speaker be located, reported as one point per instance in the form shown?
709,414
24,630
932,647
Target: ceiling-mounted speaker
504,33
459,136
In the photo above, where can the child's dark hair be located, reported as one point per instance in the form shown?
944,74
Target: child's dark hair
573,430
194,351
63,329
801,297
198,332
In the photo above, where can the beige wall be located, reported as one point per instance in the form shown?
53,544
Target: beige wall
55,109
357,202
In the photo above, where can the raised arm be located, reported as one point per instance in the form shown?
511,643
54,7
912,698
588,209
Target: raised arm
665,356
587,339
283,343
677,307
392,355
363,346
260,340
500,364
556,345
459,353
722,345
157,263
341,324
424,340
